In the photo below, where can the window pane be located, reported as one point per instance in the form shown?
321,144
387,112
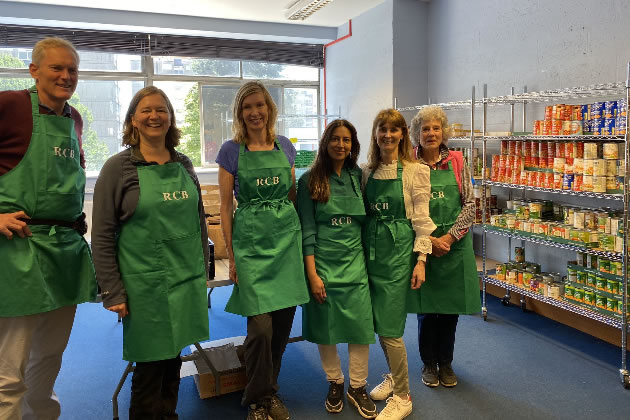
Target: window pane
185,99
103,61
196,66
15,58
217,117
14,83
103,104
301,101
260,70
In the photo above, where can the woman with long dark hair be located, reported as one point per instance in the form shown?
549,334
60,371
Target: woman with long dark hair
331,210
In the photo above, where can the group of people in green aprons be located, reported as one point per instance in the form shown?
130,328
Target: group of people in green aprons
364,248
381,242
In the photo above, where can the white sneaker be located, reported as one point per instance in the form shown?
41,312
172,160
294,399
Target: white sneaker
396,409
384,389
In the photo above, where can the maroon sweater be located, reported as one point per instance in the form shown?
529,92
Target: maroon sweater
16,127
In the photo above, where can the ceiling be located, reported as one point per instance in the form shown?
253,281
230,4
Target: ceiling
333,15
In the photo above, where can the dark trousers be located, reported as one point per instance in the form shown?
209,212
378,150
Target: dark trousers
436,337
267,338
154,389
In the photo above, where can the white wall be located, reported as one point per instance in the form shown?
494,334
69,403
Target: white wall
359,71
541,44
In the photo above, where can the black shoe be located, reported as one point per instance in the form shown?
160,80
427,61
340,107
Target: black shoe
334,399
430,375
257,412
447,376
277,410
359,398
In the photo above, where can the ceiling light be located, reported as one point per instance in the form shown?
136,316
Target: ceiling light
301,9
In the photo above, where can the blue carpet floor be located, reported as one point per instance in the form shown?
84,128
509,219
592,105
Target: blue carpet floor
516,365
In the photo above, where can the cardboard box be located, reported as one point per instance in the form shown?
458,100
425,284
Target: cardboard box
211,199
231,379
216,235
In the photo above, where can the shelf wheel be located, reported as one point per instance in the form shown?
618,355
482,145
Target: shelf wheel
484,313
626,381
523,304
505,300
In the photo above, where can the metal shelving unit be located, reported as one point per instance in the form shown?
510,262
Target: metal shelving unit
586,94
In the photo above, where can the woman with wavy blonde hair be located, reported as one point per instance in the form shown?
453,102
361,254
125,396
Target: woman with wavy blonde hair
396,241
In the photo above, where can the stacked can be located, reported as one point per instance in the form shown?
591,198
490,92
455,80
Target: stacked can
508,166
605,118
560,120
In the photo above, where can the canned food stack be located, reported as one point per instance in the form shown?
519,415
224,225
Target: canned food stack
475,161
598,229
596,283
559,165
599,118
492,207
527,275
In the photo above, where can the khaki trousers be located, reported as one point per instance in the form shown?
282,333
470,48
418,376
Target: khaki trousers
396,355
357,364
31,348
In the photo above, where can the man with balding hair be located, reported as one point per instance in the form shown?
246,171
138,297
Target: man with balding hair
46,265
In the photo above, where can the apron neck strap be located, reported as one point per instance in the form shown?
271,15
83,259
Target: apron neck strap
34,100
241,149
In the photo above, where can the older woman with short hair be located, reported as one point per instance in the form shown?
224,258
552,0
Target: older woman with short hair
451,287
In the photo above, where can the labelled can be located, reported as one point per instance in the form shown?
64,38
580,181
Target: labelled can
578,166
560,149
591,279
609,127
615,224
600,301
556,127
577,128
572,274
534,147
500,270
580,258
546,127
597,127
588,166
512,147
611,305
535,209
568,166
600,283
543,149
612,167
567,182
578,152
610,109
607,242
622,107
578,294
612,286
599,167
568,214
589,297
578,219
616,268
569,149
587,183
619,244
557,181
575,235
590,222
597,110
599,184
591,261
620,307
548,112
566,128
505,150
591,151
518,148
519,254
621,127
558,165
582,276
585,111
577,182
569,291
603,222
611,150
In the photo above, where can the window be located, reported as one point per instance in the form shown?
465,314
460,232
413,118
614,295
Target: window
259,70
301,101
196,66
101,61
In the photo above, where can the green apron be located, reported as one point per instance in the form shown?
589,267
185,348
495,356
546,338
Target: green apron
53,268
161,263
266,237
346,314
388,239
452,284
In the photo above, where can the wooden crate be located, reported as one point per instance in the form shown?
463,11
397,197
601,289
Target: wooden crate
211,199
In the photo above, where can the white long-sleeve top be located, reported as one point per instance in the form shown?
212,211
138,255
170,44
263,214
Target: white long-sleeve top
416,179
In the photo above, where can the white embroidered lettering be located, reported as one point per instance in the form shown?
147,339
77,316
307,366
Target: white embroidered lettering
167,196
184,194
57,151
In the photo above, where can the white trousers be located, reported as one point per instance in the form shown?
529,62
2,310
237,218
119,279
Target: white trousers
358,355
31,348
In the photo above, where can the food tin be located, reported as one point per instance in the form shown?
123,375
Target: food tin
612,167
590,222
599,167
603,222
611,305
599,184
607,243
582,276
621,127
612,286
556,127
578,166
591,261
569,291
511,275
580,258
611,150
616,268
572,274
600,283
566,128
578,294
575,235
600,301
591,279
610,109
620,307
500,271
622,107
604,264
519,254
590,151
597,110
587,183
578,219
588,166
615,223
597,127
619,244
567,181
589,297
554,290
609,127
577,182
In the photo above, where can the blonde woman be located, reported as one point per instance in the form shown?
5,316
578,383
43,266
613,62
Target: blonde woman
264,242
396,241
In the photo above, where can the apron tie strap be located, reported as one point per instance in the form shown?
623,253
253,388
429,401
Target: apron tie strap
386,221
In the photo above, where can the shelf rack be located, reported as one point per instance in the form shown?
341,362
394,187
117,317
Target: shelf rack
586,93
608,320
